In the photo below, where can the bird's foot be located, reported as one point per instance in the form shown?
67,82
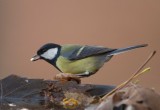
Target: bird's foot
67,77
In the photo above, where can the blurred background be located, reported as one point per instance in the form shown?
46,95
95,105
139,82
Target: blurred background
25,25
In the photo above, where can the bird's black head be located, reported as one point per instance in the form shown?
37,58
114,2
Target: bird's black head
48,52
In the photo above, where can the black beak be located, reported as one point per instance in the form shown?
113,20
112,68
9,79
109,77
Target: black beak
36,57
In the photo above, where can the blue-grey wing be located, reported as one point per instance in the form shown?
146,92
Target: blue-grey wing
76,52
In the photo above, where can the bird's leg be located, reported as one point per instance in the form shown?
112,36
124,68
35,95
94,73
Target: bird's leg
67,77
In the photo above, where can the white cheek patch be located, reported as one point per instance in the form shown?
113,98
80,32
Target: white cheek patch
50,54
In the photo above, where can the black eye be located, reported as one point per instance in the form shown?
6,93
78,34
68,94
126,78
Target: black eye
43,50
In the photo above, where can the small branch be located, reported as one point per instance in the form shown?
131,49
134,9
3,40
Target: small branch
131,78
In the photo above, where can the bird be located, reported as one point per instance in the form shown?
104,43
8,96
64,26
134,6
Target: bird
80,60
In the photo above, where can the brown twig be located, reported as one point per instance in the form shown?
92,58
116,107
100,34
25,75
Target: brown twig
132,77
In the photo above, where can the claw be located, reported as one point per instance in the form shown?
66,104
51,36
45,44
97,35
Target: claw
67,77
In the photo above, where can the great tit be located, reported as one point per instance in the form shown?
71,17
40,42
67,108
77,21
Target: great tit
80,60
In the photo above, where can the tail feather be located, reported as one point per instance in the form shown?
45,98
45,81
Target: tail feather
122,50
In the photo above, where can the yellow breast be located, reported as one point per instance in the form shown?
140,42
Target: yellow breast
89,64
